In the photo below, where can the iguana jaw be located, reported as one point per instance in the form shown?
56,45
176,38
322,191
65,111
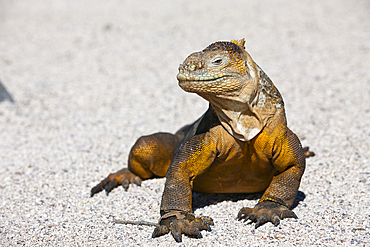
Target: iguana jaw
216,84
184,77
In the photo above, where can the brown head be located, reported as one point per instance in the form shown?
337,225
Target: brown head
218,69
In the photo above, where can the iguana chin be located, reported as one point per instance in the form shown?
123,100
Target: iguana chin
240,145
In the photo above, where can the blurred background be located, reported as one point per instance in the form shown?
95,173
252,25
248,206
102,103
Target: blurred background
81,80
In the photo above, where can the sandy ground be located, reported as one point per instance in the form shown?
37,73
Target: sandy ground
89,77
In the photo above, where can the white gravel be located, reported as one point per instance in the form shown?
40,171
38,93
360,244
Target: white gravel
89,77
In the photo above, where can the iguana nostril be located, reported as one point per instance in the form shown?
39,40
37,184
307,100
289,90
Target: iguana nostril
181,67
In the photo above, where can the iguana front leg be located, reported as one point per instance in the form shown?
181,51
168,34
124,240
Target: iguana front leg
196,155
150,156
123,177
276,202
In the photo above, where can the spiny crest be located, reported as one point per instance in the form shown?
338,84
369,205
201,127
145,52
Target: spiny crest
234,46
239,42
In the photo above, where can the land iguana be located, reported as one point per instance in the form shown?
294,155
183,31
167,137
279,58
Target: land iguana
241,144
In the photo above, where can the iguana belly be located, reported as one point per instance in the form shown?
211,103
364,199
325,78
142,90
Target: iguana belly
235,176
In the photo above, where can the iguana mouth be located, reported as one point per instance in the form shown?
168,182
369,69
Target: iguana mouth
219,84
182,77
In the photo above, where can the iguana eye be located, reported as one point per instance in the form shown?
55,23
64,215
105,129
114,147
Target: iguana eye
218,61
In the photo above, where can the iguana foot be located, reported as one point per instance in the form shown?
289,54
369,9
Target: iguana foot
123,177
307,152
179,223
266,211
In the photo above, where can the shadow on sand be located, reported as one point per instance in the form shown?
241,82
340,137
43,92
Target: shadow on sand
201,200
4,95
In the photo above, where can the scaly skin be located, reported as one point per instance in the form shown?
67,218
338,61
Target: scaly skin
240,145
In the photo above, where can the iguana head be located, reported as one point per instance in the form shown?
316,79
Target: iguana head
242,95
218,69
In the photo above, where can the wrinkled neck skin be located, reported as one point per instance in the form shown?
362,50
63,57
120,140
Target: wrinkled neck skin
236,111
245,112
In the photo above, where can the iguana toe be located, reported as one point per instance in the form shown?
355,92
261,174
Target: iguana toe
307,152
159,231
123,177
178,223
266,211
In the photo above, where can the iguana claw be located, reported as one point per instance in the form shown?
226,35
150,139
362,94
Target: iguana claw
123,177
266,211
179,223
